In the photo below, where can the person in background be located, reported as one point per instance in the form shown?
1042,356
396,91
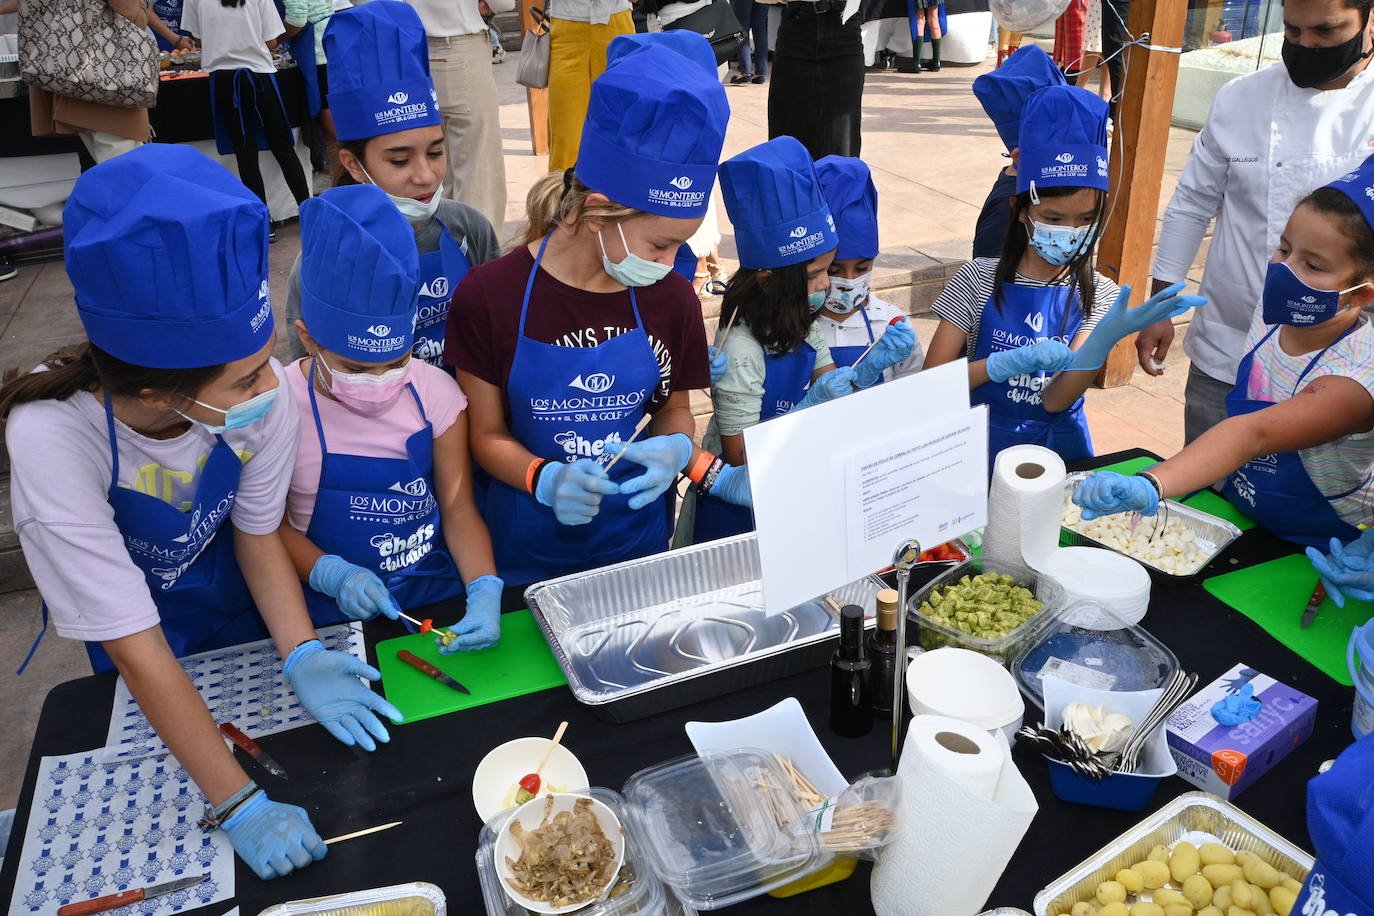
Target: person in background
379,51
379,416
1037,323
604,336
923,18
753,54
149,468
777,357
1271,137
853,317
498,53
818,47
460,62
579,35
1297,447
1003,93
7,270
315,13
1008,43
1069,31
1114,16
236,38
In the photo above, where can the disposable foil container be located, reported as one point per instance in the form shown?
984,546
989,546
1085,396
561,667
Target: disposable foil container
1197,817
653,634
418,898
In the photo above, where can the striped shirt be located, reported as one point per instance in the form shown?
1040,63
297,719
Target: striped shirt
1336,467
961,303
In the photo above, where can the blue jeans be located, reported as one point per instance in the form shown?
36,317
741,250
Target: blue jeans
754,17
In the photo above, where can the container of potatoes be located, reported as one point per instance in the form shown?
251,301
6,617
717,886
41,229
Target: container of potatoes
1160,866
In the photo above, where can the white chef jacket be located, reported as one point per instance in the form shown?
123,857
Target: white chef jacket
851,333
1266,145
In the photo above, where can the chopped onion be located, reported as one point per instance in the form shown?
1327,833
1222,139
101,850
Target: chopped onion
566,860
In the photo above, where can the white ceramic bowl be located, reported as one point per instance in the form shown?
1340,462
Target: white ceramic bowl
497,777
530,815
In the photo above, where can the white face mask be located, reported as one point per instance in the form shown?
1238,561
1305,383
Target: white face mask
633,270
413,210
845,296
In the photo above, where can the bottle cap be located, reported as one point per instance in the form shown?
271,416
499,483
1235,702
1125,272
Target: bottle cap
887,609
852,631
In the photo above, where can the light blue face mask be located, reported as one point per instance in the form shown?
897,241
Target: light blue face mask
817,299
238,416
633,270
1059,245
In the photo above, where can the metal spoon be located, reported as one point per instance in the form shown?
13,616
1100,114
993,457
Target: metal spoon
907,555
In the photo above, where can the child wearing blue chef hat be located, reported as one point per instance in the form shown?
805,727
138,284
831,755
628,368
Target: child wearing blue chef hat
1036,323
1340,820
149,469
852,317
778,359
605,335
391,135
1003,93
1296,450
387,431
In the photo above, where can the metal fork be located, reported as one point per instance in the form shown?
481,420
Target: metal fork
1179,687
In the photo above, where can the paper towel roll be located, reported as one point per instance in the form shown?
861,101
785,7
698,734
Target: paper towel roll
1024,506
964,809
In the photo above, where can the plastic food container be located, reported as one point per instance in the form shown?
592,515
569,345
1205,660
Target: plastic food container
531,815
418,898
933,635
1090,646
717,828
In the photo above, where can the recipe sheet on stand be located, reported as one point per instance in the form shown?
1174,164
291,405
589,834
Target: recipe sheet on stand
240,684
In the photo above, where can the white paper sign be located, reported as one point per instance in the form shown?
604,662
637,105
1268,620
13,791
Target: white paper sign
925,484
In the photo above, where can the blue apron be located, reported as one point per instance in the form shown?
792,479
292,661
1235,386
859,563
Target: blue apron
685,263
192,575
567,403
1275,490
381,514
848,356
252,127
441,271
1015,415
785,380
302,46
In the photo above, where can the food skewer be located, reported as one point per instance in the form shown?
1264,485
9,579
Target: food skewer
364,832
530,782
875,341
639,428
427,625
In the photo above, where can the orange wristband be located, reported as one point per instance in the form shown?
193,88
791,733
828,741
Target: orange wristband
530,473
702,465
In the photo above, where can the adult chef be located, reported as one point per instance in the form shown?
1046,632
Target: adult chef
149,469
1271,138
564,344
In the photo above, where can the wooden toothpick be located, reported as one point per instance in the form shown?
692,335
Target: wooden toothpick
639,428
357,833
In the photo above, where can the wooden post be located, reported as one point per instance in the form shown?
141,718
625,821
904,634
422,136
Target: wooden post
536,100
1137,168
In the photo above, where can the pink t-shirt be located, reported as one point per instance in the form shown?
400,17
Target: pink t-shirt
347,433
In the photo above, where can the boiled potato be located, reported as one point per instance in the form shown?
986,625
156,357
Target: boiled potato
1222,875
1153,872
1244,856
1198,890
1216,854
1292,884
1282,900
1083,908
1159,854
1259,901
1146,908
1184,862
1210,911
1178,909
1167,895
1241,895
1239,911
1114,909
1110,892
1130,879
1259,872
1221,898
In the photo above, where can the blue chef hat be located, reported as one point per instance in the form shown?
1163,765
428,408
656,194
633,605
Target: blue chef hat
691,45
1003,92
653,134
379,71
775,204
1340,820
1063,140
848,188
1359,187
360,273
167,253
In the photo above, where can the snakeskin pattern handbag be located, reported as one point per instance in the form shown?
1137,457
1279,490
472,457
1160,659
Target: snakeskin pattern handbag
83,49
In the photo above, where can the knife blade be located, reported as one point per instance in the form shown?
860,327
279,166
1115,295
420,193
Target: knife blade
124,898
1314,604
252,749
419,664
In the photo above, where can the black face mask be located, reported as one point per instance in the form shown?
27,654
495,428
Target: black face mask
1310,67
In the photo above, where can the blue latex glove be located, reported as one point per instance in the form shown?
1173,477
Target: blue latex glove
328,687
361,595
272,838
896,344
718,364
834,384
1238,708
1041,356
732,486
480,627
662,457
573,491
1121,321
1108,492
1348,570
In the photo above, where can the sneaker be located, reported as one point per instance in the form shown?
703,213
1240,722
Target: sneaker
888,62
759,80
8,271
271,236
498,55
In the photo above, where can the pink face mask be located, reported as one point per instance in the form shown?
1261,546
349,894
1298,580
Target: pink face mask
364,393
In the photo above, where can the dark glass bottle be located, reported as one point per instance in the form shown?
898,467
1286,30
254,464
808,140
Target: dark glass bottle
882,651
851,714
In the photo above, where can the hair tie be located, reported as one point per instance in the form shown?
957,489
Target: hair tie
568,175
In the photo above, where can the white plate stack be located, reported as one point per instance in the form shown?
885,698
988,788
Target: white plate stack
962,684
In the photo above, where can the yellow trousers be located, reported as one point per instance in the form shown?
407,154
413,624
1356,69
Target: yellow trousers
577,55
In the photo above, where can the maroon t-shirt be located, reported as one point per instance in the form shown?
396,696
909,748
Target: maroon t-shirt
484,322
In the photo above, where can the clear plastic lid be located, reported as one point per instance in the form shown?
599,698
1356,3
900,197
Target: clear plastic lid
636,889
934,634
719,828
1090,646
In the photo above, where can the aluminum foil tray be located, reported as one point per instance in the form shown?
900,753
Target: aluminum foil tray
419,898
653,634
1211,533
1198,817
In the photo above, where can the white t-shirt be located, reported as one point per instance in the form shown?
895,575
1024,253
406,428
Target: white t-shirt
448,18
233,37
60,467
850,332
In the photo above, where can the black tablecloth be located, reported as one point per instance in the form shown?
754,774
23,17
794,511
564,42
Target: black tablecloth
423,776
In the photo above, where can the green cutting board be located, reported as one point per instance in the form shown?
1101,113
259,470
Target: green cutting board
521,663
1274,594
